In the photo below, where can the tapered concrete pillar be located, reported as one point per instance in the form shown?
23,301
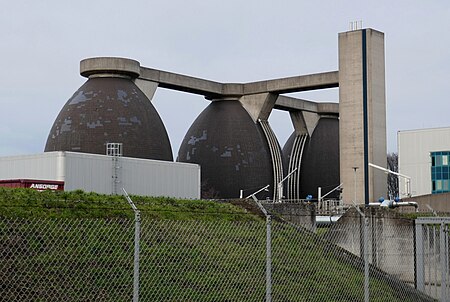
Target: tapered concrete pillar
304,122
259,106
362,114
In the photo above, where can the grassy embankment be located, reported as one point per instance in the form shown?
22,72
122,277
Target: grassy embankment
191,250
26,203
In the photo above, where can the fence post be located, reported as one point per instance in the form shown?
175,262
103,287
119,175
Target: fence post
137,231
420,265
268,251
366,259
443,255
366,252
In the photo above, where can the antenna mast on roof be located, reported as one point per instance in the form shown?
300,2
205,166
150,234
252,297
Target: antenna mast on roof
355,25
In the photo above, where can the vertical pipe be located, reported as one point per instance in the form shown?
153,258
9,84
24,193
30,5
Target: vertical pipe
319,197
365,118
268,259
280,191
275,152
292,192
354,170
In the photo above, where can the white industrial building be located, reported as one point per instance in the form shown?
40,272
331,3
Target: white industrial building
106,174
424,155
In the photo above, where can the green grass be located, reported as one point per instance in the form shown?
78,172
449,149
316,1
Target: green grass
415,215
76,246
78,204
315,270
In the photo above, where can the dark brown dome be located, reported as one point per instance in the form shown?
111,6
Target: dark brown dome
320,159
110,110
231,149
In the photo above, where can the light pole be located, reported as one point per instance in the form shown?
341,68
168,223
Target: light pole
354,169
407,178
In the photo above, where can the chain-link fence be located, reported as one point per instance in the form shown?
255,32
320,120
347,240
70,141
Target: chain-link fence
385,246
432,256
65,259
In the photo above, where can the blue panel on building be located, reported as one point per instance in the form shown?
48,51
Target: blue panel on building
440,172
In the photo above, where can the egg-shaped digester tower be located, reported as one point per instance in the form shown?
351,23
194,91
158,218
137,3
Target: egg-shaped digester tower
317,159
231,149
110,108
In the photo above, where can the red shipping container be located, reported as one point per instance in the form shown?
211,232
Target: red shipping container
35,184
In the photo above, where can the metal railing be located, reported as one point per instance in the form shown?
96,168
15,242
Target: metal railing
432,257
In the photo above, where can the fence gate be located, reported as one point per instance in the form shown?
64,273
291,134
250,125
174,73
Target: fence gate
432,252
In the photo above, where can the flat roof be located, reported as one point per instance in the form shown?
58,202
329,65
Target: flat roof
423,129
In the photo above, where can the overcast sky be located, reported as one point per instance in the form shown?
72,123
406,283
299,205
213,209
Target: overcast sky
42,43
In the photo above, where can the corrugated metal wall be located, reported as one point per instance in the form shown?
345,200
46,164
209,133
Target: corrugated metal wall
45,166
137,176
88,172
161,178
414,160
100,173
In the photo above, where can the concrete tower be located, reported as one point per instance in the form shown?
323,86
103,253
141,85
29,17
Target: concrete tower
362,114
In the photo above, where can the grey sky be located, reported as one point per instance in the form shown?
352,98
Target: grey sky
42,43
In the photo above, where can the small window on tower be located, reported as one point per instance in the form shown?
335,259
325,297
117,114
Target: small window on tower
433,161
445,160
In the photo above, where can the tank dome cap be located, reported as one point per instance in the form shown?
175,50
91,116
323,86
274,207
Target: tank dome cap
109,65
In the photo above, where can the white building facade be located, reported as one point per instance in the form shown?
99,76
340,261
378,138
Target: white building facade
106,174
424,155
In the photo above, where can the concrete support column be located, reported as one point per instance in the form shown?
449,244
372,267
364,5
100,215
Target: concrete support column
304,122
362,114
259,106
147,87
